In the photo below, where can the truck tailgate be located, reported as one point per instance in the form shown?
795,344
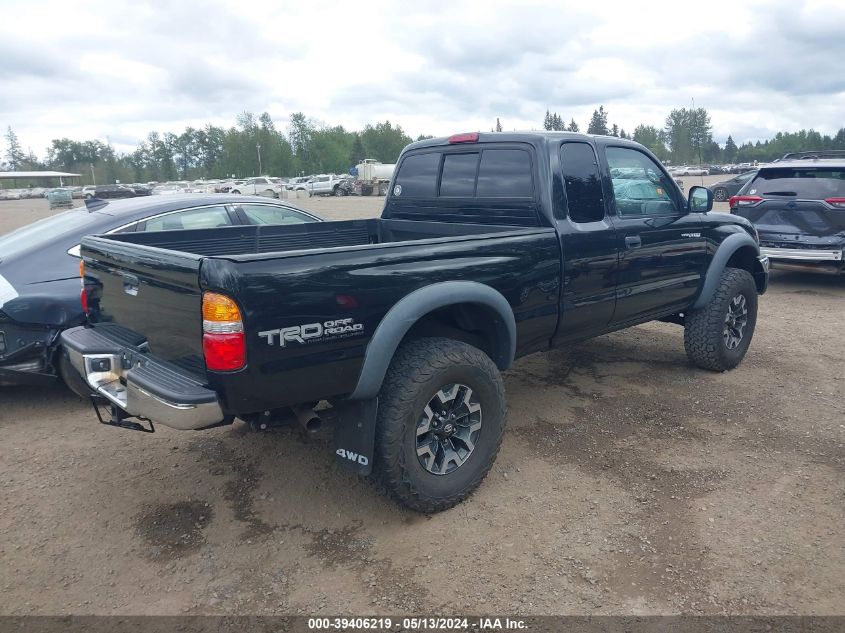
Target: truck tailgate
150,291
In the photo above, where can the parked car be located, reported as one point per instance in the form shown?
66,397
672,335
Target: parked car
326,185
298,183
39,264
690,171
724,189
141,190
490,247
261,186
109,192
797,205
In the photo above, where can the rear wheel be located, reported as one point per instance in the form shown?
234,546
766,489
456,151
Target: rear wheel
720,194
717,336
235,191
440,422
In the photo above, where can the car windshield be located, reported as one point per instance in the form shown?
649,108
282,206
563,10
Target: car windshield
44,231
802,183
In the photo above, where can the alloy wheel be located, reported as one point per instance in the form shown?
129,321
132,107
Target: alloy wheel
735,321
448,429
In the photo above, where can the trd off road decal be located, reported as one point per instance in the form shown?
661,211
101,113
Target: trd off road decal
313,332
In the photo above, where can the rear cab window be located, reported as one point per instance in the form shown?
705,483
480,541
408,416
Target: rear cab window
457,183
801,183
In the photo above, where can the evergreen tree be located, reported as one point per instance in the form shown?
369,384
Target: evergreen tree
357,153
729,153
614,131
14,153
498,125
547,121
622,133
598,122
573,126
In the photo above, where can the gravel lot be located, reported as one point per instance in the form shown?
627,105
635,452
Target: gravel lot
628,482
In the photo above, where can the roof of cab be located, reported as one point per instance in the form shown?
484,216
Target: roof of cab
534,137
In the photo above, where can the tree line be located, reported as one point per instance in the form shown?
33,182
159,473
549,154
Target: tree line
687,138
254,146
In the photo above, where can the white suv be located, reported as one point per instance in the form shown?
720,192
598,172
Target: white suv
261,186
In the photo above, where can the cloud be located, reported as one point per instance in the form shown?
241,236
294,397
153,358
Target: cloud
113,69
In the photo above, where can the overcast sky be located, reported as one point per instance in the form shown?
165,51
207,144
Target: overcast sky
115,69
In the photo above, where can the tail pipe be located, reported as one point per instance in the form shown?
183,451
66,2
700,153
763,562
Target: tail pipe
307,418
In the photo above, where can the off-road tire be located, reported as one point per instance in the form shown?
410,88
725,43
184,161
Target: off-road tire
704,328
417,372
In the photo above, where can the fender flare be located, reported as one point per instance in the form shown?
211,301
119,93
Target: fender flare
402,316
726,249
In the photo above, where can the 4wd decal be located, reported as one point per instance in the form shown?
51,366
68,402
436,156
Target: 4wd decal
313,332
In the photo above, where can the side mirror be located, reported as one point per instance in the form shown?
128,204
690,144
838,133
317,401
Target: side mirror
700,200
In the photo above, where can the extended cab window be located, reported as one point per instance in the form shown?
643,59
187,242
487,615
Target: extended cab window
582,180
639,186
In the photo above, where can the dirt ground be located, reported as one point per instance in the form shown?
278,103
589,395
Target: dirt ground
628,483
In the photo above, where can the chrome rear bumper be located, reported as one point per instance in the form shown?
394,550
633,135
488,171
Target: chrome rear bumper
140,385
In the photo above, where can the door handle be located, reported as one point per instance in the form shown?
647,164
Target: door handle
633,241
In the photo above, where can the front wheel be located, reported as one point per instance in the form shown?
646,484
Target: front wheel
440,421
339,191
720,194
717,336
235,191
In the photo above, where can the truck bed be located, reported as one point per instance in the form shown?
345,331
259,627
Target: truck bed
262,239
152,284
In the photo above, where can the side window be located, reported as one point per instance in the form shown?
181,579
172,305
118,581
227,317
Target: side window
417,177
204,218
505,173
458,179
582,181
268,214
639,186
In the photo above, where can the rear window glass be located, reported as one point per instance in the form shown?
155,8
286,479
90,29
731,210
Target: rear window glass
505,173
502,173
418,175
70,223
458,177
814,184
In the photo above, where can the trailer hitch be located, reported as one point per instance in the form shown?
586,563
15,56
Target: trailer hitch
118,417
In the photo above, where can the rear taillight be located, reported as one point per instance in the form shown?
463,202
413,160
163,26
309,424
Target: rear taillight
744,201
470,137
83,295
223,341
839,203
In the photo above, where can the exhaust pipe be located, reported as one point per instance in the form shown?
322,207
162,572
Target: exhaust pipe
307,418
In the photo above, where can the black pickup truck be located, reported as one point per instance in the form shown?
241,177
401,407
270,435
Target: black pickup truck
490,247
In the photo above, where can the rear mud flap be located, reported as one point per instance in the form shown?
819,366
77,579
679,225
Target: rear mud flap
355,434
